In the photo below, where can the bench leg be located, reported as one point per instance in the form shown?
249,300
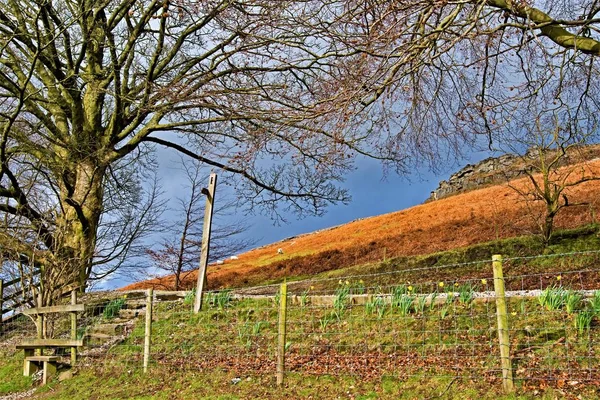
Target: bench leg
29,367
49,370
73,356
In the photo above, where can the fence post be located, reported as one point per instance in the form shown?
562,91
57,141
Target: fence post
501,313
149,296
1,301
282,334
73,328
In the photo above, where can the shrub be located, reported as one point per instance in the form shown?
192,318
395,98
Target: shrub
342,294
595,302
374,305
573,301
222,299
189,297
444,311
325,320
359,287
553,298
304,297
434,296
419,305
405,304
466,293
583,321
112,308
398,293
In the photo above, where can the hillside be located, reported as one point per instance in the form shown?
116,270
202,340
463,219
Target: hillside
461,220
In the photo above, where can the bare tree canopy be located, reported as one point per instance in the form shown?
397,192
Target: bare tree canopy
425,70
282,94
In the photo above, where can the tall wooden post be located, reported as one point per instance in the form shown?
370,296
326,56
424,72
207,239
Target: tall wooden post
208,214
282,334
502,314
148,332
73,328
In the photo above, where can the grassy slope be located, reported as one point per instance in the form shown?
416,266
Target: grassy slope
466,227
179,376
197,356
217,386
11,372
460,221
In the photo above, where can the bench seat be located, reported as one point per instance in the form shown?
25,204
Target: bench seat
48,364
43,358
33,363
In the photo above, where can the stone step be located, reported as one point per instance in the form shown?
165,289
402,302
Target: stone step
97,335
134,304
96,339
107,329
119,320
130,314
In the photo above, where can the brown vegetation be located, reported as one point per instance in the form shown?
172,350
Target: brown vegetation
479,216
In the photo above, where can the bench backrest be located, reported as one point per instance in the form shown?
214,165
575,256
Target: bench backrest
41,343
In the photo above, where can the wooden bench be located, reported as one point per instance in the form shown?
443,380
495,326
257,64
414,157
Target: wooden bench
33,362
47,363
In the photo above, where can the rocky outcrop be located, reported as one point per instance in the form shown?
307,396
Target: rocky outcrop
490,171
495,170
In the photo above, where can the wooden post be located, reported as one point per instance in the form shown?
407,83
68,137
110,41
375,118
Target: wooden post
282,334
49,369
150,295
1,301
503,337
208,214
73,327
40,323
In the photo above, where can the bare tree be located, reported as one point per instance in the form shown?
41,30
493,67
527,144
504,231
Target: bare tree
435,74
179,252
554,158
86,87
280,94
442,74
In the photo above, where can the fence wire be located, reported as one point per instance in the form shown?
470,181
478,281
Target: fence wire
439,322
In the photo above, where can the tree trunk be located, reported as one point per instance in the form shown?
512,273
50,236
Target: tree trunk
548,228
81,200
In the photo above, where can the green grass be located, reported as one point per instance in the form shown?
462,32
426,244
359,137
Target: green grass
11,373
217,386
113,307
193,355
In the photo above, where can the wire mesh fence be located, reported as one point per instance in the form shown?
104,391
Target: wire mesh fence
439,322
